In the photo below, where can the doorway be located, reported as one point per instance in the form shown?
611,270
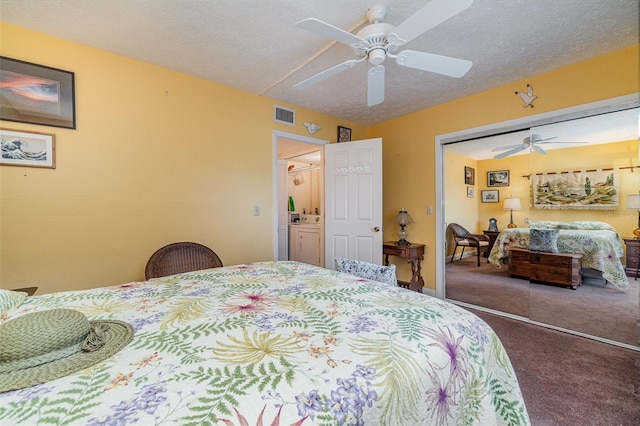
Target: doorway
286,146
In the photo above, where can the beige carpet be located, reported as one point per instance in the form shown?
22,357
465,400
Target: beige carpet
568,380
593,308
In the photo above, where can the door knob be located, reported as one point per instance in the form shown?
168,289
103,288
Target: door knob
376,229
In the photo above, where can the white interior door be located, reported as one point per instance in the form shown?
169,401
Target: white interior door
353,201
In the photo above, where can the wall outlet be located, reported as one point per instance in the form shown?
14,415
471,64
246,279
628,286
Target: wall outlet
526,220
429,209
256,210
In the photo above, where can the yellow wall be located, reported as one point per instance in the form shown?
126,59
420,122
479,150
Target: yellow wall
157,157
460,208
518,166
409,151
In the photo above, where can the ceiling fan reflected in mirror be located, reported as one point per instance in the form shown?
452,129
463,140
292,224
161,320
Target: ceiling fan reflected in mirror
378,41
531,143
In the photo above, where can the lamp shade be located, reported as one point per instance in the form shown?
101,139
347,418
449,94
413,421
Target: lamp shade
402,218
511,203
633,201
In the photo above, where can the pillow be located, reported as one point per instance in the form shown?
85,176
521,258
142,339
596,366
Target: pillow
370,271
591,225
567,226
544,240
546,224
10,299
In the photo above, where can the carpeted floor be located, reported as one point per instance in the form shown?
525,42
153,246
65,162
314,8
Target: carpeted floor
593,308
568,380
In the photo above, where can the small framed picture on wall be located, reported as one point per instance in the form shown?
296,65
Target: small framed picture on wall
469,176
490,196
344,134
470,191
498,178
27,148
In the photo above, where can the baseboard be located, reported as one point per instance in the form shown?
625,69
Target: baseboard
426,291
429,292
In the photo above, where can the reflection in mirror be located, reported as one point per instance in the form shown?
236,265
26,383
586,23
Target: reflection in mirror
573,176
489,284
581,187
303,182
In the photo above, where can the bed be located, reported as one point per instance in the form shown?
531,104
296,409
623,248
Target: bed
277,343
600,245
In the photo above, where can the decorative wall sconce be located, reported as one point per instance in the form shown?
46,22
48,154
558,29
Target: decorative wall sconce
511,204
403,219
528,97
312,127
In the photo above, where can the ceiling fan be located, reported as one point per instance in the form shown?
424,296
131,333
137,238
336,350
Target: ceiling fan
532,142
379,40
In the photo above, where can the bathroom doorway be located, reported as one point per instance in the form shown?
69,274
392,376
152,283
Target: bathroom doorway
308,154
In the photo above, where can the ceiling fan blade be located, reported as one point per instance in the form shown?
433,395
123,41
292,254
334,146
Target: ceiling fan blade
537,149
327,73
537,138
323,29
438,64
375,87
512,151
540,143
432,14
503,148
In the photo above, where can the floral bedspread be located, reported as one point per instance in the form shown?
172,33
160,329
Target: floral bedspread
601,249
277,343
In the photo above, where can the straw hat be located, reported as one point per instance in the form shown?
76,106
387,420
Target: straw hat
43,346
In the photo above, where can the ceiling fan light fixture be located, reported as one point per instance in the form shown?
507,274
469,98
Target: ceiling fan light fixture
377,56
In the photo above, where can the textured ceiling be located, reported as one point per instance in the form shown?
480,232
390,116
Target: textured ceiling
598,129
254,45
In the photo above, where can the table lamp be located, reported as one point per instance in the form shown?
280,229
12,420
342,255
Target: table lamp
633,203
511,204
402,219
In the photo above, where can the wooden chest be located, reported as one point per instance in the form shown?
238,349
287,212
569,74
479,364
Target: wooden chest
519,263
551,268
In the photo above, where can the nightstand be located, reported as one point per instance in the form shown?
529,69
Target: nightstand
493,235
414,253
632,259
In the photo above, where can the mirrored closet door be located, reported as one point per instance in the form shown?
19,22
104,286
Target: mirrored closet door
570,182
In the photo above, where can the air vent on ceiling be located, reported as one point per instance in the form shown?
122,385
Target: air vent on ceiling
284,115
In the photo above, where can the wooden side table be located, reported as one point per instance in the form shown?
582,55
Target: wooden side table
632,259
414,253
493,235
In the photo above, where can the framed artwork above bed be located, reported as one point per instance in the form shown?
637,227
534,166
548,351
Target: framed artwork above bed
36,94
578,190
